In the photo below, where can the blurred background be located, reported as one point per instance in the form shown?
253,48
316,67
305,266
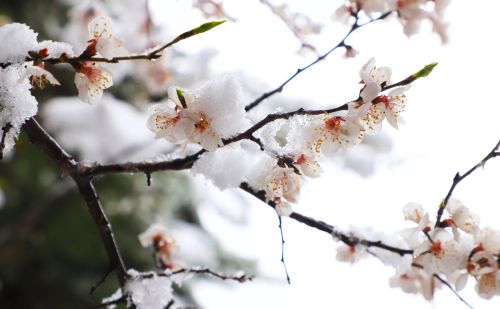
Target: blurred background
50,251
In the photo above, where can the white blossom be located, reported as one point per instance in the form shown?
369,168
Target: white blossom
101,33
415,281
282,182
90,80
464,219
208,115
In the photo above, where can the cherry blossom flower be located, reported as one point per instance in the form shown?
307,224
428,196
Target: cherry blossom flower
308,165
205,116
282,183
415,281
90,80
372,77
40,77
462,217
157,236
350,254
387,107
335,132
102,39
444,253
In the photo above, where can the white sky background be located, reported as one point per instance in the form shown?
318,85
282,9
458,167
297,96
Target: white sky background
452,121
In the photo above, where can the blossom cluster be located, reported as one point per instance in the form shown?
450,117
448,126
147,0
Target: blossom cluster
18,77
289,148
457,248
410,13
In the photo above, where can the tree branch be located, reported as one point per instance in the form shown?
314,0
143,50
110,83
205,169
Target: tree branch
349,240
354,27
69,166
458,178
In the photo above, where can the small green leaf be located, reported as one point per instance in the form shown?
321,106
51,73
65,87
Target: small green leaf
180,95
425,71
208,26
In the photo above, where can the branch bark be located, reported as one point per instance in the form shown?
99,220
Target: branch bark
69,166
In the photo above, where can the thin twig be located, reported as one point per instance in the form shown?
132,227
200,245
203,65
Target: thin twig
283,249
280,88
458,178
446,283
207,271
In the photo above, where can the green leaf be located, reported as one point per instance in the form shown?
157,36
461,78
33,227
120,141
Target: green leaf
424,71
208,26
180,95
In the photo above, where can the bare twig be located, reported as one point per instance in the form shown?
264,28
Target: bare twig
283,249
354,27
458,178
207,271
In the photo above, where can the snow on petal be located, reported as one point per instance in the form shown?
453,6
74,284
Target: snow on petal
16,102
154,292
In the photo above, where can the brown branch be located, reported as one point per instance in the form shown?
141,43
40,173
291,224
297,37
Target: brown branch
69,166
207,271
95,169
349,240
152,55
458,178
280,88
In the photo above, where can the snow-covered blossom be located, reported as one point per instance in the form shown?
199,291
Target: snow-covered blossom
204,116
90,80
102,38
40,77
154,292
16,102
164,246
17,40
224,165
